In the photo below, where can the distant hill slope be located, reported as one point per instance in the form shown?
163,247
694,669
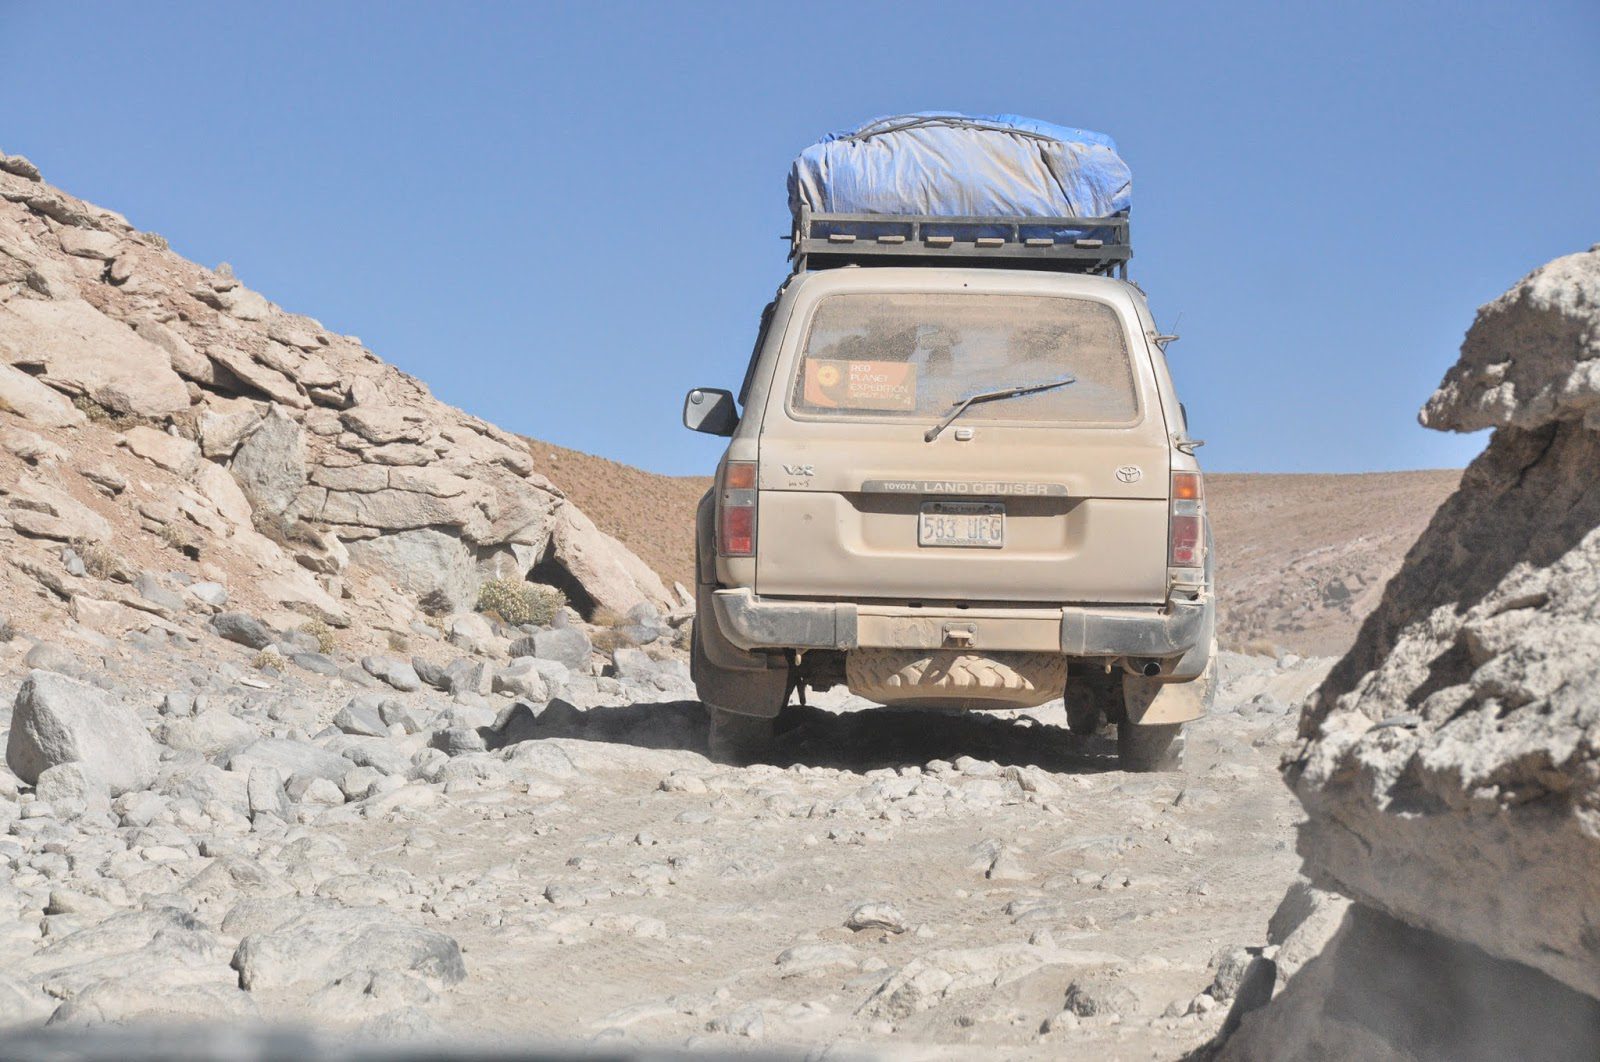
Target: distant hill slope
1301,558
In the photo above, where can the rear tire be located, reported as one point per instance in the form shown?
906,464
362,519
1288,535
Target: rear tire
737,739
1151,747
741,706
1092,697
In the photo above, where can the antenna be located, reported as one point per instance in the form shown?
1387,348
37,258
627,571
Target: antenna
1161,339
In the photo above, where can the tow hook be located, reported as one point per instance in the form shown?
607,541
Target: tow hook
960,635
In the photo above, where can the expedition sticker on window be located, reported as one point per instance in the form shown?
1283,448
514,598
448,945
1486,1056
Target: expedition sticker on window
837,384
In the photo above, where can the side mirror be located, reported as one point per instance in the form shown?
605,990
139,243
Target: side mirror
711,410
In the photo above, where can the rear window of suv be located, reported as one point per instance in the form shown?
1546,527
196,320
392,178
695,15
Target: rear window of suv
915,355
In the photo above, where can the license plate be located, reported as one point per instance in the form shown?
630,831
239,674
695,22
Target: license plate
973,525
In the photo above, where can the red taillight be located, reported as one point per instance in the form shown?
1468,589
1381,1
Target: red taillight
736,510
1186,541
1187,521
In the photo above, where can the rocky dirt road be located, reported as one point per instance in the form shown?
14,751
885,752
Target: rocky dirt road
907,884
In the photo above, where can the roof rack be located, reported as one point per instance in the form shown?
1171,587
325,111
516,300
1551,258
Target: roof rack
1064,244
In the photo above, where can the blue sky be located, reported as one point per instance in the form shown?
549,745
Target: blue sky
561,217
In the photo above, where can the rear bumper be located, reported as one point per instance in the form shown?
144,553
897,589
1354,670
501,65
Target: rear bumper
753,624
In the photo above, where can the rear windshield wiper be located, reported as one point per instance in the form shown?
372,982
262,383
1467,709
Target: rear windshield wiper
992,396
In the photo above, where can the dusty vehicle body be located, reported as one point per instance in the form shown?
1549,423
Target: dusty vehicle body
1039,544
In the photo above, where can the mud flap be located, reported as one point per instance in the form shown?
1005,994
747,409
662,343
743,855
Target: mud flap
1162,702
1148,700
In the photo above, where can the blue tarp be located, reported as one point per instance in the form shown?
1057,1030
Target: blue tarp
950,164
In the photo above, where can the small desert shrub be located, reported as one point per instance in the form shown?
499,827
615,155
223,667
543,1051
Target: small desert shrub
547,603
516,602
267,660
322,633
287,531
155,239
608,617
7,631
607,640
173,536
98,560
111,418
398,642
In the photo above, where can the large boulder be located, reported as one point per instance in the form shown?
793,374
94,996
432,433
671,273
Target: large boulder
324,945
59,720
611,575
434,566
270,464
28,398
1384,991
1450,764
82,351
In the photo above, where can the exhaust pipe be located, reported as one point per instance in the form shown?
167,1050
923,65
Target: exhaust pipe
1147,668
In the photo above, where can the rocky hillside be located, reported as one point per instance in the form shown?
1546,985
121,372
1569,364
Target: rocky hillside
161,416
1450,764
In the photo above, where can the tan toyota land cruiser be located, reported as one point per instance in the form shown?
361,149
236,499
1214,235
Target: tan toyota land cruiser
961,477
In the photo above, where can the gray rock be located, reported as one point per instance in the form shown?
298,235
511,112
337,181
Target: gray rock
206,784
316,663
270,464
471,632
265,793
72,791
209,732
635,634
244,629
48,656
322,792
292,758
221,431
360,716
394,713
438,568
429,672
877,915
521,678
20,166
323,946
1101,996
127,1000
469,676
291,642
213,594
58,720
633,665
1230,964
381,754
150,588
554,672
644,614
459,741
394,671
570,647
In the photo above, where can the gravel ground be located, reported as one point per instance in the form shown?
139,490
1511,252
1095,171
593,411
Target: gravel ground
332,852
